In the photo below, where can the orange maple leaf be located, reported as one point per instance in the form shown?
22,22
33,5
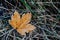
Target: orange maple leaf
21,24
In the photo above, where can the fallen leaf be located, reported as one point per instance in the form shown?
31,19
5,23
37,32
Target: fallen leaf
21,24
